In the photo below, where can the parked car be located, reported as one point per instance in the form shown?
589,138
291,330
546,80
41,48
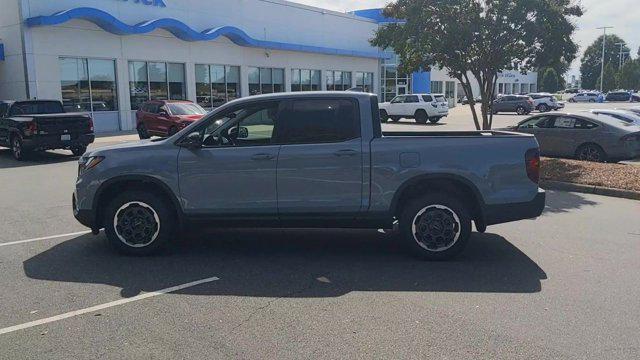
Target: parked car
465,101
421,107
520,104
585,136
544,102
584,97
166,117
316,159
624,115
572,91
38,125
622,96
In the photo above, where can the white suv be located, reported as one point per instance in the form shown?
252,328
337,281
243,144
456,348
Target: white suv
421,107
544,102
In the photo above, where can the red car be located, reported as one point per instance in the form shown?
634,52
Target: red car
166,117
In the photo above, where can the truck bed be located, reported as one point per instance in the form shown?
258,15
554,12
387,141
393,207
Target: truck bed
452,133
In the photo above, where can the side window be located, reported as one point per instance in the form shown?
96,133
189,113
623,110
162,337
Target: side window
3,110
411,99
320,121
539,122
584,124
398,100
427,98
153,108
564,122
251,125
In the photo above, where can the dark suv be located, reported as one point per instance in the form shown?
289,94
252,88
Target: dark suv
166,117
522,105
620,96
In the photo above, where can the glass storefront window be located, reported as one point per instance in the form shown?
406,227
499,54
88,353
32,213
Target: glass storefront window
392,83
216,84
338,80
364,80
436,87
265,80
88,84
155,81
305,80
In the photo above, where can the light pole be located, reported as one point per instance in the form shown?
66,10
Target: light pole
604,41
622,53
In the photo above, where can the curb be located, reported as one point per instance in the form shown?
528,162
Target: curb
589,189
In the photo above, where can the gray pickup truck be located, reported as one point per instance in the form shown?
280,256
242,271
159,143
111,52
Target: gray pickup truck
312,160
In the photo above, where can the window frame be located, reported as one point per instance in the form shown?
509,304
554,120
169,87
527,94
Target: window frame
166,66
226,68
273,83
87,60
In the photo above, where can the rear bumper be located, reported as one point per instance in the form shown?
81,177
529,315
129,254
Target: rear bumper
50,142
503,213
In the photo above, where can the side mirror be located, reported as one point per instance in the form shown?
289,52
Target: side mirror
192,141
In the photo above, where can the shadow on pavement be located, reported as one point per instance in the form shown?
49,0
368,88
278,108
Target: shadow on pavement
562,202
37,158
288,263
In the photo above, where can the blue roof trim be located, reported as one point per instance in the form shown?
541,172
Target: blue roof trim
1,52
376,15
182,31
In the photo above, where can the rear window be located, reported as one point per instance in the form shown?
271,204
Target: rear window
36,108
186,109
320,121
427,98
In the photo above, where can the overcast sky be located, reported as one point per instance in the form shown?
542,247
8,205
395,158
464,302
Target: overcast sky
622,14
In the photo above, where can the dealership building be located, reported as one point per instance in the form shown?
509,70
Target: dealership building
107,57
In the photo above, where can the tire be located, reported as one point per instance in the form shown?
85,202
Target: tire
79,150
444,211
571,101
591,101
520,110
591,152
142,132
154,228
395,118
434,120
421,117
17,148
543,108
384,117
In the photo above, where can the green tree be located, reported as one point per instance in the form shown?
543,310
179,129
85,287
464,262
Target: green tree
629,75
550,81
475,40
609,82
592,60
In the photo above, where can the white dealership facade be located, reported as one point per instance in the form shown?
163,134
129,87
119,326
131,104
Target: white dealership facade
108,56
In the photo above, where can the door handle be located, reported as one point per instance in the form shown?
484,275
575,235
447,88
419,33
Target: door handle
345,152
262,157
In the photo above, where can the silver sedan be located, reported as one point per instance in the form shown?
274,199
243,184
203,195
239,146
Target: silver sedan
584,136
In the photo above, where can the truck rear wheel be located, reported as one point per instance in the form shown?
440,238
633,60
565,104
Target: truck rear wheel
139,223
435,226
434,120
79,150
17,148
421,117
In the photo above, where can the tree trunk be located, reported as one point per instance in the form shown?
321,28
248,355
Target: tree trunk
468,91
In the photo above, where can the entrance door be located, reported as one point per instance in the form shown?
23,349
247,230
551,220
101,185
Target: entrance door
401,89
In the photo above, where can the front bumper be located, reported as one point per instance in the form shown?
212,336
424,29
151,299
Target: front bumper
84,217
50,142
503,213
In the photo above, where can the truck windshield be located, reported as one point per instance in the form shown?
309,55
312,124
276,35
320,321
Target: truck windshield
36,108
186,109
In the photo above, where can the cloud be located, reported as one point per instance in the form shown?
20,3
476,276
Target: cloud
622,14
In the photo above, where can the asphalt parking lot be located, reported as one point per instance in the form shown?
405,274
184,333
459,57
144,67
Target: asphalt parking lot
563,286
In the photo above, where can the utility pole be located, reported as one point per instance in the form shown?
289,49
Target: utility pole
604,41
622,53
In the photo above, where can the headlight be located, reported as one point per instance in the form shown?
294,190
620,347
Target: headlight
87,163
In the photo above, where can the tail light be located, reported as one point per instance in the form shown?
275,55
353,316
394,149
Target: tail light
31,129
434,104
532,164
91,124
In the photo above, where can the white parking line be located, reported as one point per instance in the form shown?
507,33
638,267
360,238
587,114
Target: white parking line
44,238
105,306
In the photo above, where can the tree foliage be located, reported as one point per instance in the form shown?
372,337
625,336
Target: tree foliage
609,82
550,81
629,75
592,59
477,39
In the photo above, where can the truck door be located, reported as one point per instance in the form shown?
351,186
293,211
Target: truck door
320,161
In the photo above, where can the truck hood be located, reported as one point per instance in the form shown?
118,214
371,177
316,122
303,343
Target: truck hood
143,145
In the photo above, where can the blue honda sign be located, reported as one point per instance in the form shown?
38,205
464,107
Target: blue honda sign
159,3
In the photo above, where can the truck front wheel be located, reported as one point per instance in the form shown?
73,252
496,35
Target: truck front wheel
435,226
139,223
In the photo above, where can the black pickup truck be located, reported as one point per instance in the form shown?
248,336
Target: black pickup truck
38,125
